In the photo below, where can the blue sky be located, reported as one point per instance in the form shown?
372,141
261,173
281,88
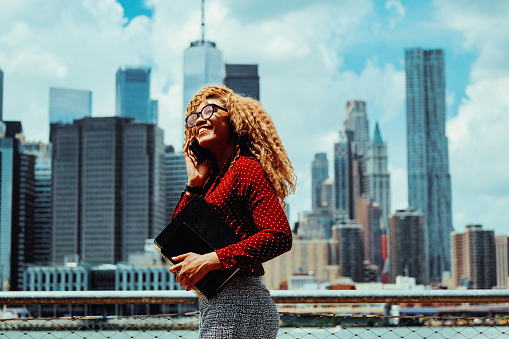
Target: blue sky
312,57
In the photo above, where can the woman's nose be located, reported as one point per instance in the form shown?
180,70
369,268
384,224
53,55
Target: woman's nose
200,120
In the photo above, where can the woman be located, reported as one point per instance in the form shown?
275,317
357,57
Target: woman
246,181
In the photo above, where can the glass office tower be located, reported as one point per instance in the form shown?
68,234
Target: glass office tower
429,181
243,79
67,105
16,206
175,173
108,188
1,94
319,173
133,95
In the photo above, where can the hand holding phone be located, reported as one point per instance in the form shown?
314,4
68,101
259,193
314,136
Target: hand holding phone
201,154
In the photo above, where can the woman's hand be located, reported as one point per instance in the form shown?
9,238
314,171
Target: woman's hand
197,173
193,267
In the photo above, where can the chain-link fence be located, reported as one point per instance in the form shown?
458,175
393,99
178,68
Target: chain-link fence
303,314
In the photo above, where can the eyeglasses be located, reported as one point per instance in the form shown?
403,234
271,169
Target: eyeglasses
206,113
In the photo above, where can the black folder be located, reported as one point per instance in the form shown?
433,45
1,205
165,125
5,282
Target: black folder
200,229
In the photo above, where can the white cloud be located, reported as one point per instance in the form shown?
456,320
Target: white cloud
478,138
484,28
450,97
478,135
397,10
382,87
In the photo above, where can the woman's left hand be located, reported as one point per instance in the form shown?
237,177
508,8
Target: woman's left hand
193,267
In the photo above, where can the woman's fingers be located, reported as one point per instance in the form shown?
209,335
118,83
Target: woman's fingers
180,257
190,268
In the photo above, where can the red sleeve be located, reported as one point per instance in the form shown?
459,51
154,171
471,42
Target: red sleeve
273,235
184,199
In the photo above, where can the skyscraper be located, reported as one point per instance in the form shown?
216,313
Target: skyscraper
153,115
203,65
356,121
474,258
42,202
356,128
351,181
1,95
378,176
342,179
133,95
406,254
66,105
175,172
502,261
108,188
16,207
349,238
368,216
429,181
6,167
243,79
319,173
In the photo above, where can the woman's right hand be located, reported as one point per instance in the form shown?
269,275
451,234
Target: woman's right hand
197,173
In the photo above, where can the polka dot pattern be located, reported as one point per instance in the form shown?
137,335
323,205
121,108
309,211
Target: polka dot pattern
244,197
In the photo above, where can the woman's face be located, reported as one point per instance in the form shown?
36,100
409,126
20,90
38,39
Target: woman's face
216,132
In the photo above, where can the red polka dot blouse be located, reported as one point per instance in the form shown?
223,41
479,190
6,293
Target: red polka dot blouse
244,197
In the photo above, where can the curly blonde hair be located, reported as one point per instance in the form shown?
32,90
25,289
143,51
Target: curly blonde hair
255,135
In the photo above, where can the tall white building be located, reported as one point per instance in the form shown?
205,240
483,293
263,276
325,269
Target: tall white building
429,181
203,64
378,176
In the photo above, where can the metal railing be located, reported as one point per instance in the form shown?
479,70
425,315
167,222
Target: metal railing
304,314
279,296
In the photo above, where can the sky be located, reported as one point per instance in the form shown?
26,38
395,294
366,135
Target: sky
312,57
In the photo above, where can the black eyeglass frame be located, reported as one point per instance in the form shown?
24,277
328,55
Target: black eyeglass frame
201,114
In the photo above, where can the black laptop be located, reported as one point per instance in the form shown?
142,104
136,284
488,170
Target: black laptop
200,229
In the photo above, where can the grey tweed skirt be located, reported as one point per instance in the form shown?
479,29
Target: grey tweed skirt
242,309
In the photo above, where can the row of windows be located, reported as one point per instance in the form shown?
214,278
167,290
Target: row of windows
67,277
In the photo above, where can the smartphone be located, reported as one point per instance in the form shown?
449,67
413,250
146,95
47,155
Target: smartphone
201,154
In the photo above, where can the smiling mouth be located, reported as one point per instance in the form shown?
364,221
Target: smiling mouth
203,129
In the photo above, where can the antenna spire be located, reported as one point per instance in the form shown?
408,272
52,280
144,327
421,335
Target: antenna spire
203,21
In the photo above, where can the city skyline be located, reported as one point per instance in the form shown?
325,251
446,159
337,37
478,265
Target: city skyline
312,58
